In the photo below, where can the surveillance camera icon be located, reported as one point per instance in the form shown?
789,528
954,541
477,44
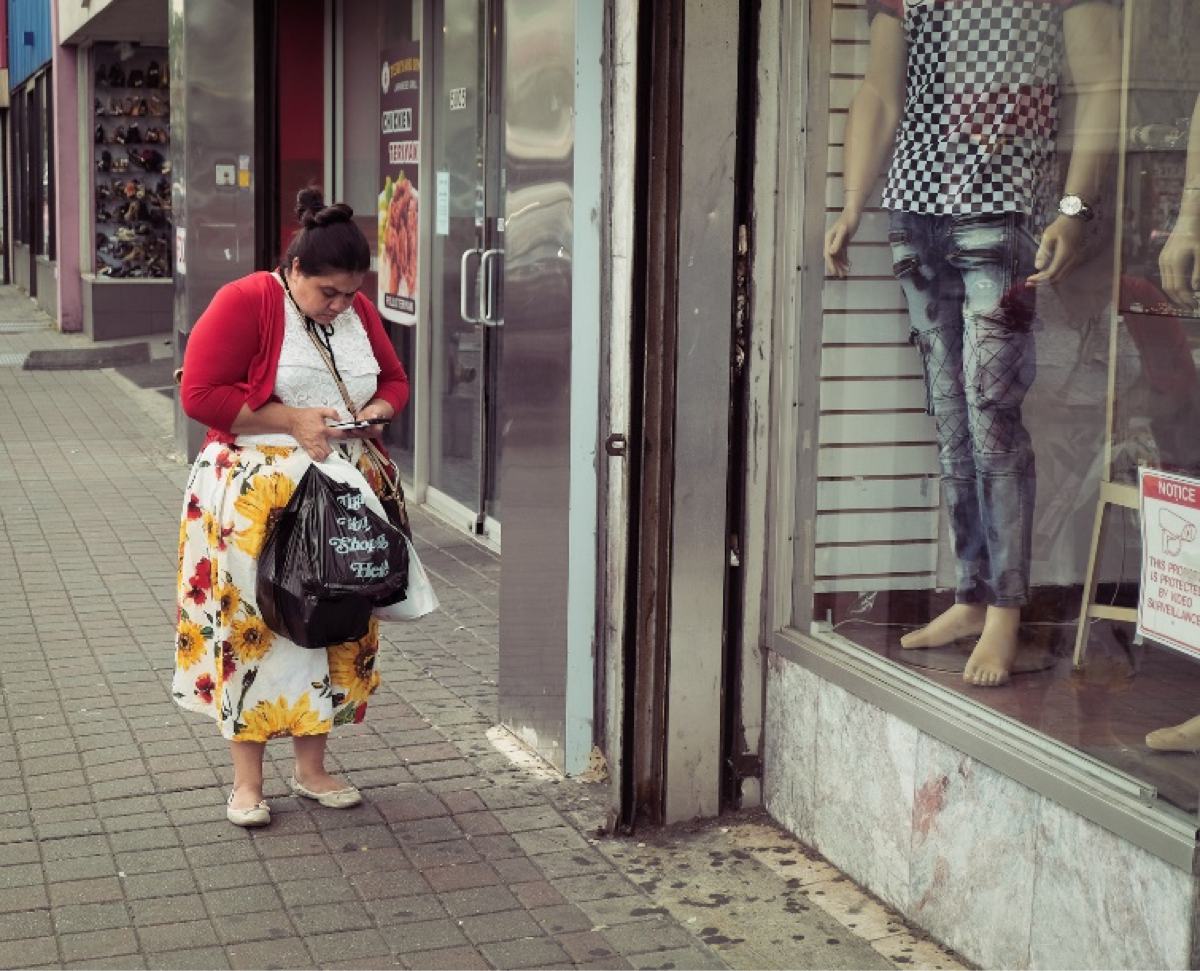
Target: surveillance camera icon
1175,531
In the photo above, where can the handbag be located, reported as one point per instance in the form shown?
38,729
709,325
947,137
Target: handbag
389,491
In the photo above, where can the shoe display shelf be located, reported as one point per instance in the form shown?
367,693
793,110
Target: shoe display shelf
129,286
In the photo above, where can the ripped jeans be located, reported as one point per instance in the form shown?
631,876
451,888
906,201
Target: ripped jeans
972,320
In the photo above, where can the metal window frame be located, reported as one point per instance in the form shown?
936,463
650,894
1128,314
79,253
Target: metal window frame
46,84
1079,783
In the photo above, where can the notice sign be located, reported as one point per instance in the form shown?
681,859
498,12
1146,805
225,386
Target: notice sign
400,152
1169,600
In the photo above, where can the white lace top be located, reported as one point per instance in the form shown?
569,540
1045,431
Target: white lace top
302,379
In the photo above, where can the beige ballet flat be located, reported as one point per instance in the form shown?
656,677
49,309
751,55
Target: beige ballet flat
337,799
259,815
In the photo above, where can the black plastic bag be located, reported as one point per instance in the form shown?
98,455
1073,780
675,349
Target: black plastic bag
326,563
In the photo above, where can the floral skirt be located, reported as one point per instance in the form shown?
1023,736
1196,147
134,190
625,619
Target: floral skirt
254,683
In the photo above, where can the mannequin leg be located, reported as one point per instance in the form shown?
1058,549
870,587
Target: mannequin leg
1178,738
999,363
933,291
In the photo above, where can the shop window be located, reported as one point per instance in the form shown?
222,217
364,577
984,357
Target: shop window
300,115
975,413
360,114
372,34
132,162
20,166
44,167
32,162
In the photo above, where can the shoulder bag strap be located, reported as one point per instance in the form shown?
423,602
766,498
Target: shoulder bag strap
387,470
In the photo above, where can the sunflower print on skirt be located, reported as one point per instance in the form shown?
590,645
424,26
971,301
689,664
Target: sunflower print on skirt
229,665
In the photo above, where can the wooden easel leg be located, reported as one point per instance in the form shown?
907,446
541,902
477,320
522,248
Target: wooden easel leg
1089,584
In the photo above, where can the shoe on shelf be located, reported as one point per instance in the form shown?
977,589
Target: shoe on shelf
259,815
337,799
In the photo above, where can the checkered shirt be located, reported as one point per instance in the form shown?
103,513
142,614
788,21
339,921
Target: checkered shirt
981,106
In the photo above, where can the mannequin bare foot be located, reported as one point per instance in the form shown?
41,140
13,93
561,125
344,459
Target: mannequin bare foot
1179,738
961,620
991,662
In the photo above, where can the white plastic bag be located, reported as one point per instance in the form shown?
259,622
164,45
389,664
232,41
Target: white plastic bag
420,598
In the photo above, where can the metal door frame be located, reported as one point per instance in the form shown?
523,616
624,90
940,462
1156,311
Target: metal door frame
690,298
478,521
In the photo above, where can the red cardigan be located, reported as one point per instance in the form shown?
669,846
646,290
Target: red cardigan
233,353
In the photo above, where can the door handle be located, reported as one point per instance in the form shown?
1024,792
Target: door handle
464,295
488,302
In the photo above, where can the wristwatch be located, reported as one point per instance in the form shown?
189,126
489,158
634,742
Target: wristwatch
1075,207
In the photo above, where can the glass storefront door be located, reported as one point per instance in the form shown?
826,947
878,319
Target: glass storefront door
465,297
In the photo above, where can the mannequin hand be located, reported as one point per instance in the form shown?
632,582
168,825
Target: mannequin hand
1179,264
1059,251
309,429
837,238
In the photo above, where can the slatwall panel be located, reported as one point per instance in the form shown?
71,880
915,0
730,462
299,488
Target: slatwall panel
877,499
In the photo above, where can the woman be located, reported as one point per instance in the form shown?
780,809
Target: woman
254,374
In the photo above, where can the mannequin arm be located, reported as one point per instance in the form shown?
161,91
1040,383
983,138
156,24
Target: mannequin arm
870,132
1092,34
1179,262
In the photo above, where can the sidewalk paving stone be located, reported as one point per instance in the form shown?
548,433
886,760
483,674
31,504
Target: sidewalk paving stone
98,944
189,959
506,925
450,959
424,935
28,952
282,953
25,923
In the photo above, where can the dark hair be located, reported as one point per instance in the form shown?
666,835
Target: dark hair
328,238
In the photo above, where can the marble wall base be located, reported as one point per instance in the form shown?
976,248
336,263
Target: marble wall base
991,868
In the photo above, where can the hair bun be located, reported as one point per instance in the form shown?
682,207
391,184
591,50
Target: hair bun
312,211
309,202
339,212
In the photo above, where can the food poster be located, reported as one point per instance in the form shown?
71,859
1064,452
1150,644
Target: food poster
400,144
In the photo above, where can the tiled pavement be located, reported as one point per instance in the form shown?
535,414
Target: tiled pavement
114,851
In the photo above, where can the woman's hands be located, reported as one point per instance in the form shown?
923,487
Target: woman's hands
309,427
377,408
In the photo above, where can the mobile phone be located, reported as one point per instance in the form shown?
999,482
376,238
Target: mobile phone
363,423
